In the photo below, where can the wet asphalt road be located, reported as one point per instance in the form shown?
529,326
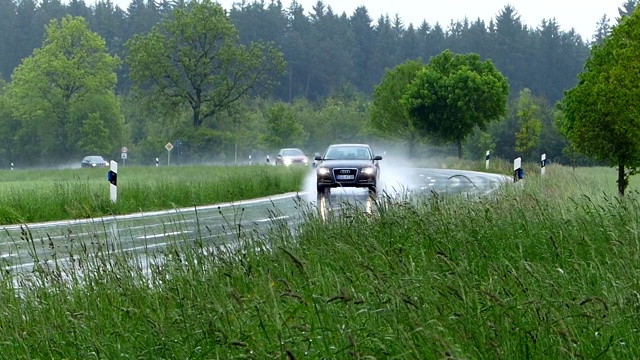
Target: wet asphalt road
22,245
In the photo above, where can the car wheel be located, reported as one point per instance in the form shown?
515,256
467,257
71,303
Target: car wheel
321,189
372,190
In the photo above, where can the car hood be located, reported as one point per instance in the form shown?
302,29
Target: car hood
345,163
294,157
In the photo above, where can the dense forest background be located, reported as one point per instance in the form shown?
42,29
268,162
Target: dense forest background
333,62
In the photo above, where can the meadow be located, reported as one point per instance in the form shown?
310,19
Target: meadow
28,196
544,269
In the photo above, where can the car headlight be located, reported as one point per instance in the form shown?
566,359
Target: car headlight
286,161
305,160
323,171
368,170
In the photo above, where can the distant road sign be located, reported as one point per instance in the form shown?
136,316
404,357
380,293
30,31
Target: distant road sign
124,149
124,156
169,146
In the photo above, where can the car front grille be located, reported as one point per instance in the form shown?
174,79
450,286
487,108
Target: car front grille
351,173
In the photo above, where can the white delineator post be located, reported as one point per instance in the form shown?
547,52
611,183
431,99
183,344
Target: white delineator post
543,163
157,161
112,176
11,166
518,172
486,157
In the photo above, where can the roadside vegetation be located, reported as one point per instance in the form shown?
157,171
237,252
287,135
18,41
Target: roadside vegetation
543,270
42,195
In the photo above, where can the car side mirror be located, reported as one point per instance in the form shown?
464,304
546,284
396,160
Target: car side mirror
377,157
318,158
279,156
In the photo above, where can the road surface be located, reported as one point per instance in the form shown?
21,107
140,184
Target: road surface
22,246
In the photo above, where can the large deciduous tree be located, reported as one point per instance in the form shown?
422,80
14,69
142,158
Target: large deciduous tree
195,58
389,117
64,90
454,94
601,115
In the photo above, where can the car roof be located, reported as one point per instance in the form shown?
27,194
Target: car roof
340,145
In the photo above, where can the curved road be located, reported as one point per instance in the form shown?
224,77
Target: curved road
23,246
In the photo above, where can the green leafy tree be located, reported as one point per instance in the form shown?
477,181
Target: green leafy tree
8,129
283,130
50,88
94,135
455,93
478,143
529,118
342,121
600,114
204,144
102,129
389,118
552,142
195,58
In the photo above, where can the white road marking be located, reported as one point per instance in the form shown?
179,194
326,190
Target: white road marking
272,219
148,246
68,235
141,247
143,215
155,236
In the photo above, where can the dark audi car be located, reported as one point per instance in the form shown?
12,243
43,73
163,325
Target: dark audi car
93,161
347,165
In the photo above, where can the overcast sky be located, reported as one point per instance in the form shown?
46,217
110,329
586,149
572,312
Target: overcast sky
578,14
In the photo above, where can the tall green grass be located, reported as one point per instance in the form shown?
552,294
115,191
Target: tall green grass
545,270
39,195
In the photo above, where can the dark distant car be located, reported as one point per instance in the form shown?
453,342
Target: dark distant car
347,165
94,161
291,156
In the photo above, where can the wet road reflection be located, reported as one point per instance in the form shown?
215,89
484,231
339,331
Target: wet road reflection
338,199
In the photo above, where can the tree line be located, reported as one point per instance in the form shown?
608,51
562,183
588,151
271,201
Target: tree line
325,50
254,78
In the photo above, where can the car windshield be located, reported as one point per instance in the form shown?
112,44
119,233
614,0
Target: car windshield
94,159
348,153
292,152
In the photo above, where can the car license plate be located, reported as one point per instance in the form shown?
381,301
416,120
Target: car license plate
345,177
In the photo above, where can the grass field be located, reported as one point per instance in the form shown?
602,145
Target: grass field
42,195
546,270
